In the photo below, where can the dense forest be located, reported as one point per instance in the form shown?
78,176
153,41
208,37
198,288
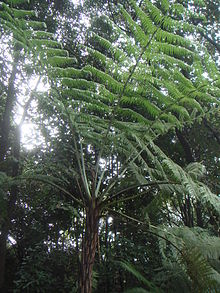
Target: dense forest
109,146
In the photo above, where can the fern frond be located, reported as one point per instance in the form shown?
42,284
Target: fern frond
146,22
60,61
200,272
130,268
17,2
139,34
19,13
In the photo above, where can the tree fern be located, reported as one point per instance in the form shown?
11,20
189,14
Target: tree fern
120,108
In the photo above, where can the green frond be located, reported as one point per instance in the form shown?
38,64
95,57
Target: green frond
172,170
206,244
159,96
59,61
100,57
68,72
165,4
180,111
17,2
154,12
36,25
131,115
178,9
209,199
195,170
4,7
146,22
138,33
45,44
79,83
19,13
143,103
131,269
52,52
6,16
170,118
93,97
116,53
110,83
199,270
191,103
39,34
171,38
173,50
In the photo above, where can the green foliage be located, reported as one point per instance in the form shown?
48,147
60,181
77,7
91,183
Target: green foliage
198,270
130,268
41,271
196,248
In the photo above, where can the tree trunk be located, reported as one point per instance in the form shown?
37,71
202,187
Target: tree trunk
5,125
3,239
89,246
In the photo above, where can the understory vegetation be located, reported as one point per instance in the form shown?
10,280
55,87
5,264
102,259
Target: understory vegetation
109,146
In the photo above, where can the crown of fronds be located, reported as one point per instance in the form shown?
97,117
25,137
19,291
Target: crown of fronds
137,87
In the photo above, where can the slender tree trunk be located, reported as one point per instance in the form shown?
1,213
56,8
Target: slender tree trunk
3,239
5,122
89,246
5,125
13,193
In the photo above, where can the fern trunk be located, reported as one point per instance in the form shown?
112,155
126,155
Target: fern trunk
89,245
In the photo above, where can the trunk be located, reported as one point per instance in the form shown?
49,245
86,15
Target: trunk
10,209
186,146
3,239
5,125
89,245
5,122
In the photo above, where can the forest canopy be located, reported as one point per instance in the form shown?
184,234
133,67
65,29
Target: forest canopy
109,146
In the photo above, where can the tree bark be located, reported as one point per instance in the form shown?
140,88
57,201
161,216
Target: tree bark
186,147
89,246
12,196
5,125
3,239
6,117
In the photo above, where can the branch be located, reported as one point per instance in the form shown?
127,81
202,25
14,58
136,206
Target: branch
186,147
211,41
213,131
157,183
128,198
44,180
28,103
149,231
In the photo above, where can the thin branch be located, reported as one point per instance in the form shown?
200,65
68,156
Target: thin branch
79,165
44,180
211,41
128,198
84,170
29,102
149,231
157,183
